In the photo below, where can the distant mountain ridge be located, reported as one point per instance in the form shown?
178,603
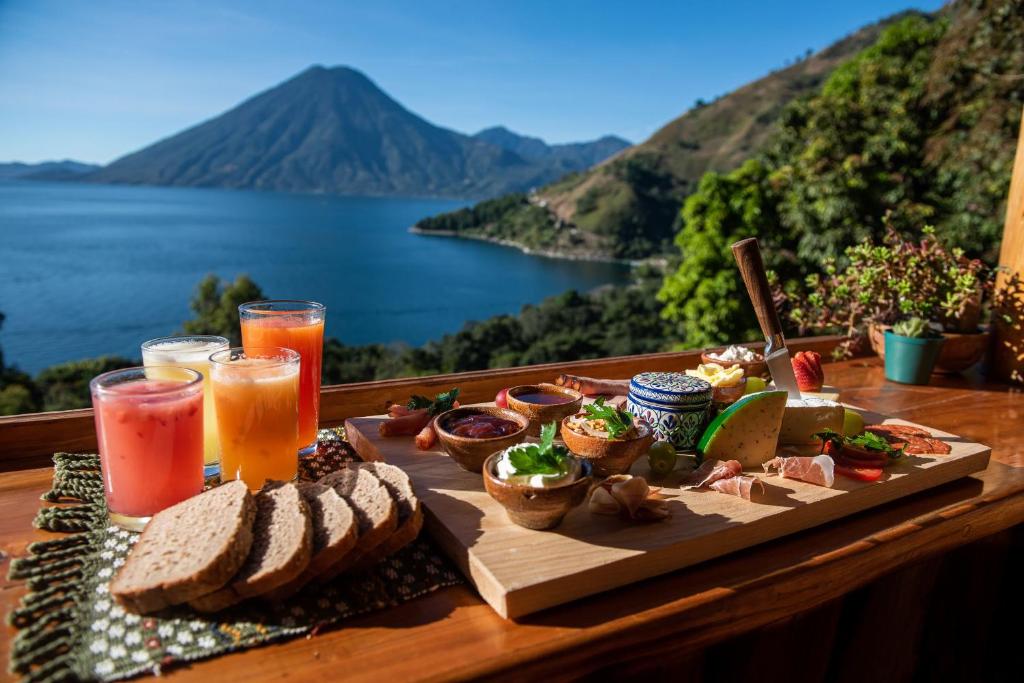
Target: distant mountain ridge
334,131
572,155
626,207
66,169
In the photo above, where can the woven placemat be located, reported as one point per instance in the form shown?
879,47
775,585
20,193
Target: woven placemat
71,629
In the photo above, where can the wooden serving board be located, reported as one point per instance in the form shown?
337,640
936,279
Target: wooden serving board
519,571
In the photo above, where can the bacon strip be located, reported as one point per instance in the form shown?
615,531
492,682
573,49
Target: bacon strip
744,486
711,471
818,470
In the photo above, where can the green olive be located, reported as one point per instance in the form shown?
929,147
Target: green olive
662,457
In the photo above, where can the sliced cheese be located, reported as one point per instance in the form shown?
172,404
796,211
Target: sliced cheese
804,417
748,430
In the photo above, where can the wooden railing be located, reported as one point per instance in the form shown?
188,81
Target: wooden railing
29,440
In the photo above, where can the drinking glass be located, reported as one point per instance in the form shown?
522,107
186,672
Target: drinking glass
297,325
257,396
193,352
149,426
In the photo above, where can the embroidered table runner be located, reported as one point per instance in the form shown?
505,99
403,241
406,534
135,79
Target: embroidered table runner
71,629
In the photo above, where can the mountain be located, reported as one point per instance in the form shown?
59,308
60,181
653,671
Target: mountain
45,170
573,156
334,131
627,206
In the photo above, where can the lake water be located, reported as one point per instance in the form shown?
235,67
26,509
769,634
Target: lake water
88,270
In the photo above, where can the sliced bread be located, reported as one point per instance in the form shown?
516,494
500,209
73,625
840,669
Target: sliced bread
188,550
281,549
410,514
376,512
335,532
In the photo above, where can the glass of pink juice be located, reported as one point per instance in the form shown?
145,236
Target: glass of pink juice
149,426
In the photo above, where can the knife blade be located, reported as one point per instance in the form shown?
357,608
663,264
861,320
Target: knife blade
776,355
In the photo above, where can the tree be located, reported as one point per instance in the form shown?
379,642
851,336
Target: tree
705,297
216,306
66,386
18,393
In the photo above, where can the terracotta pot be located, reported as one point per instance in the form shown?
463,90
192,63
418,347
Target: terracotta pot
961,351
876,337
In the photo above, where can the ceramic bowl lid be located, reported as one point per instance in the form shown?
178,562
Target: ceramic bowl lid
670,388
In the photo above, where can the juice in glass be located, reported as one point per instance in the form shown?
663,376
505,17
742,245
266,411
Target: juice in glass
297,325
192,352
257,395
150,432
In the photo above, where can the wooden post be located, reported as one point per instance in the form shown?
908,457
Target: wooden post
1008,351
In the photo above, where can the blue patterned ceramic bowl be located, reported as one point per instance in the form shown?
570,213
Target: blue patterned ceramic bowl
674,404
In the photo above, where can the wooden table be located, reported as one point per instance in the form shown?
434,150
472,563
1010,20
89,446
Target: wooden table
911,589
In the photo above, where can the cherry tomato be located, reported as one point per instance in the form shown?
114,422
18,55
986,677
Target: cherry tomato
501,400
860,473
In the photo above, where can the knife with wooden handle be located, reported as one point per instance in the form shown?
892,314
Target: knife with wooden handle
776,355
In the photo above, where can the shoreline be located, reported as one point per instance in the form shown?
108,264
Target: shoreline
544,253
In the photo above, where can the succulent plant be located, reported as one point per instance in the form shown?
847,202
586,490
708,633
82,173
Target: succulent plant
915,327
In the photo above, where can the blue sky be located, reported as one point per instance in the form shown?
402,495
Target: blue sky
95,80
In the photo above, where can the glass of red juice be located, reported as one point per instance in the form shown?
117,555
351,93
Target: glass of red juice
299,326
149,426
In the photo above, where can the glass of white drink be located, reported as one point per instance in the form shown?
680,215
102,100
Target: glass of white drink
193,352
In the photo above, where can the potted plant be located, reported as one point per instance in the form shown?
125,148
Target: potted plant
881,284
911,349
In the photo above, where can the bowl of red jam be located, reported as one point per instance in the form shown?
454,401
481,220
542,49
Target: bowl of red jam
470,434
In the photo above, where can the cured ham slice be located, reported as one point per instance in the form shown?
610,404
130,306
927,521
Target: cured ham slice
744,486
726,476
711,471
628,497
588,386
406,425
818,470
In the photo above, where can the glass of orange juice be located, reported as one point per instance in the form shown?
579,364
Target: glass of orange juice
297,325
257,395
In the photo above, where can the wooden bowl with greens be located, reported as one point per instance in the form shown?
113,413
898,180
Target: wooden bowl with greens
537,483
609,438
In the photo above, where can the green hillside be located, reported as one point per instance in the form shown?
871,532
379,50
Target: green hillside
627,207
919,129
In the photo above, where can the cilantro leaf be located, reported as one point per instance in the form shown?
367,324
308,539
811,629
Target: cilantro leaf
617,422
540,458
438,405
417,402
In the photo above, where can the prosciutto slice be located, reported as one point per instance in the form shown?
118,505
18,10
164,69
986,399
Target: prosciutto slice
744,486
818,470
726,476
711,471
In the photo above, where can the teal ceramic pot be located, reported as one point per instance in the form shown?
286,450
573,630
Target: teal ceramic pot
910,360
675,405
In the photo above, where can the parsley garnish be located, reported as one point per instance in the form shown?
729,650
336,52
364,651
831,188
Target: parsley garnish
441,403
540,458
617,422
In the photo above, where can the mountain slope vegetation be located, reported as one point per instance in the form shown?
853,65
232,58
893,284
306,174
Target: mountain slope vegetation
627,207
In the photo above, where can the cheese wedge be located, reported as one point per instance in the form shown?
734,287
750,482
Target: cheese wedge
747,431
804,417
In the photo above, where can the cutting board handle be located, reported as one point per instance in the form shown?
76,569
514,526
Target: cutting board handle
748,258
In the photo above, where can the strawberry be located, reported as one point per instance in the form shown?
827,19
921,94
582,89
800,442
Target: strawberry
807,368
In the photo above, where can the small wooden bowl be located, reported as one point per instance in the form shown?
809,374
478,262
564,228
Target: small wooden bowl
470,453
608,456
757,368
542,413
536,507
728,395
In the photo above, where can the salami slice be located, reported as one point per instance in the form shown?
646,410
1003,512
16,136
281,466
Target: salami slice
912,440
